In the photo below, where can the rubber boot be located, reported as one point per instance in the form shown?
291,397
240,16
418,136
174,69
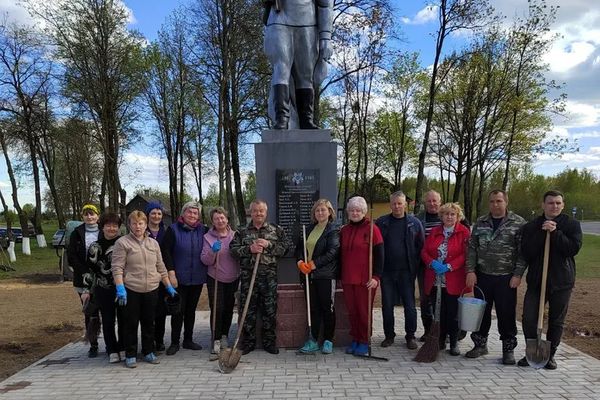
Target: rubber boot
304,105
281,97
480,348
508,346
551,364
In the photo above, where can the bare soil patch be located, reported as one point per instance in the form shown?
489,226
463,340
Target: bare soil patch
41,314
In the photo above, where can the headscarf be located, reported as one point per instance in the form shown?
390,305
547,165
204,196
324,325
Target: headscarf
153,205
90,207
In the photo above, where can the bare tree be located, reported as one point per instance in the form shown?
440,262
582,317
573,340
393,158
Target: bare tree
24,79
103,72
453,15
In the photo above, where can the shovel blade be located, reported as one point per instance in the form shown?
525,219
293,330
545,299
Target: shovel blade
228,360
537,352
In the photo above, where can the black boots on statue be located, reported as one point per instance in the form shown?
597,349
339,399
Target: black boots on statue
304,106
281,100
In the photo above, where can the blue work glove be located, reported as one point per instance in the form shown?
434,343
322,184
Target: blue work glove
216,246
171,291
439,267
121,295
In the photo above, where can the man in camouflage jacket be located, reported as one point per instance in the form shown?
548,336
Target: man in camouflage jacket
494,263
268,240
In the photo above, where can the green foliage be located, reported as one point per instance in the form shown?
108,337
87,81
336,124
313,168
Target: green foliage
587,259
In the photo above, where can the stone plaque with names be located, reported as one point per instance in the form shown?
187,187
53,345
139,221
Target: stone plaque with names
296,191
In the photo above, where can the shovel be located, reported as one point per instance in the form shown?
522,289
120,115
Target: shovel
307,283
214,357
369,300
537,351
230,357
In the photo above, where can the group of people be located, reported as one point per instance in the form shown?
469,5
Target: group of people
437,249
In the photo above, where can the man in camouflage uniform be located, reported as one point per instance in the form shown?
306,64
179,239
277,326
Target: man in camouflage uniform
268,240
495,264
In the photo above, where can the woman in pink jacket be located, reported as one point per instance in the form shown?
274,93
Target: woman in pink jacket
224,271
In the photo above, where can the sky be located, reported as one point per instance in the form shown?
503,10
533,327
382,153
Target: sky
574,59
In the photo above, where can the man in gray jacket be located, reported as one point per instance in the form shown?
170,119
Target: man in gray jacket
494,263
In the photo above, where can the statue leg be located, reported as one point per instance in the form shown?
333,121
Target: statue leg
279,51
305,59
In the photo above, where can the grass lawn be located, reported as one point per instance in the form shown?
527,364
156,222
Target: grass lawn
41,261
588,259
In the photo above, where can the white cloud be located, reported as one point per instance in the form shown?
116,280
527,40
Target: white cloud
585,135
581,115
425,15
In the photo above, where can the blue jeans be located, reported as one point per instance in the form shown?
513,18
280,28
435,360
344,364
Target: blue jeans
400,283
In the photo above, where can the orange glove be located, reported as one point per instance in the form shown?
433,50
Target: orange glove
311,265
304,267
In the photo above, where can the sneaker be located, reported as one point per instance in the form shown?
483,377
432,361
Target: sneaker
309,347
224,342
387,342
191,345
352,348
151,359
114,358
173,348
411,343
476,352
327,347
130,362
362,350
523,362
216,348
93,352
122,355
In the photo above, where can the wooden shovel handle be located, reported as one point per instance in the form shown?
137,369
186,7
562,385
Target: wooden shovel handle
540,323
307,282
247,303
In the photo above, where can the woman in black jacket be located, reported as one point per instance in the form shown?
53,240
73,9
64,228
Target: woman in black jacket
322,248
79,243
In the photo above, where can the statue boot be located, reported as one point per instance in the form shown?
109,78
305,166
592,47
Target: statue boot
281,97
304,104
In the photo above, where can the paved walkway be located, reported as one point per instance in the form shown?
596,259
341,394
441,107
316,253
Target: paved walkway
69,374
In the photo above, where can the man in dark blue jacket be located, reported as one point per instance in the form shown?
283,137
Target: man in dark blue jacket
181,249
565,242
403,238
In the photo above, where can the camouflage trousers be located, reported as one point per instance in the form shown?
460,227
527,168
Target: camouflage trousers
264,296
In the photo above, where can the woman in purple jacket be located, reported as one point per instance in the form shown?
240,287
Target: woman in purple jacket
222,269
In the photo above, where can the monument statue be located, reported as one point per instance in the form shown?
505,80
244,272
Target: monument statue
297,44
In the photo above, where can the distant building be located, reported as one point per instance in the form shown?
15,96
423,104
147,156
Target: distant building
139,202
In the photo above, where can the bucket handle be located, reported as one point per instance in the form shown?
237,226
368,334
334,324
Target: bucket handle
463,291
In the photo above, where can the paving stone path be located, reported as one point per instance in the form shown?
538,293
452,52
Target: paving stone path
69,374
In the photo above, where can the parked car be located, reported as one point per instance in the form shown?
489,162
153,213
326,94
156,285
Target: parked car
17,234
58,240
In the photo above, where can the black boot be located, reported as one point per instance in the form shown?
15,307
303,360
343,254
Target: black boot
480,348
304,105
551,364
508,346
281,100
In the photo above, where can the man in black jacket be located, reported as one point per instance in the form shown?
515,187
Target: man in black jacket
565,242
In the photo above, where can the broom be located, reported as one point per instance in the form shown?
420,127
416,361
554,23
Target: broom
429,351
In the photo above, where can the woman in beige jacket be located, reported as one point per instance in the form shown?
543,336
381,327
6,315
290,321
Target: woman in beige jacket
137,268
